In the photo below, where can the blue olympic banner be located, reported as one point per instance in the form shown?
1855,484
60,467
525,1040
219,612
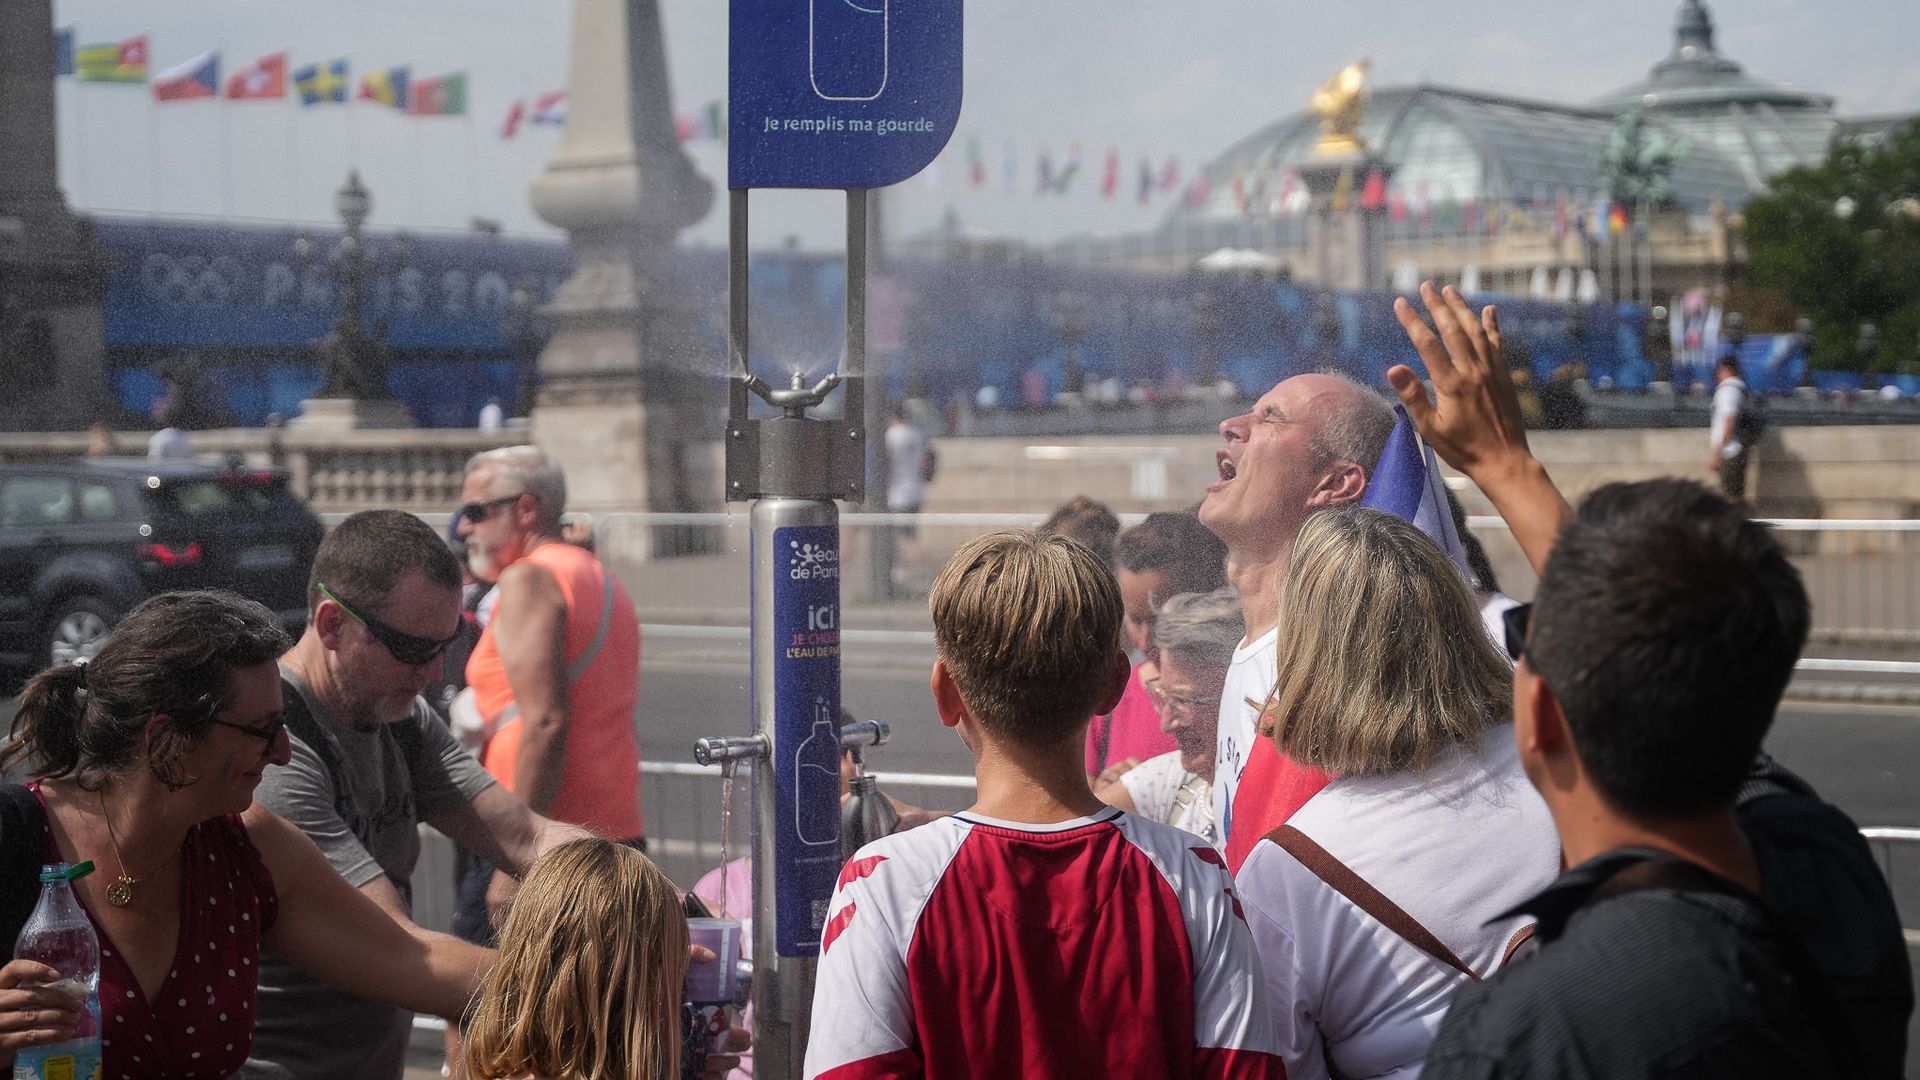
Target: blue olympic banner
806,688
839,93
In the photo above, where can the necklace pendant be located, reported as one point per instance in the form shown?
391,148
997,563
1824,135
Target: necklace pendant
120,893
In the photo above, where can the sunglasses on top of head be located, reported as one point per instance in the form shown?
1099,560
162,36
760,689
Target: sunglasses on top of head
410,649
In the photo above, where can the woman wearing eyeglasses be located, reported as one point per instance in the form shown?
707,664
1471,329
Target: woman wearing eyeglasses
147,759
1396,883
1194,635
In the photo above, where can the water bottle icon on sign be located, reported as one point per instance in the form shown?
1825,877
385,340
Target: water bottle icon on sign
816,772
848,48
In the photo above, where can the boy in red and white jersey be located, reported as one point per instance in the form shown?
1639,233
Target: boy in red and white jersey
1040,932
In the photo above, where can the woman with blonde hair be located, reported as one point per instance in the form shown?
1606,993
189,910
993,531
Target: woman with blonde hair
1396,882
588,985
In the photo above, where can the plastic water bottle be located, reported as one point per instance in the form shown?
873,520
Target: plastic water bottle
59,935
866,816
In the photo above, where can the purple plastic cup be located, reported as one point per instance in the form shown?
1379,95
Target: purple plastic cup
714,983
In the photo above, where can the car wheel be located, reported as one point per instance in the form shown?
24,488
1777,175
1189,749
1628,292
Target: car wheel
77,629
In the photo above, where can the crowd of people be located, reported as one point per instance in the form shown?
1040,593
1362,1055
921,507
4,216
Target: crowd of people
1278,786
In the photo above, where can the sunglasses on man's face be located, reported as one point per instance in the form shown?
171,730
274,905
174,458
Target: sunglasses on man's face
477,512
1516,620
410,649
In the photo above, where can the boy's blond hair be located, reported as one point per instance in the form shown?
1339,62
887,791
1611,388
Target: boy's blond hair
1029,627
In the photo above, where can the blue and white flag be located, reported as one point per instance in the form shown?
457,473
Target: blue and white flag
1406,483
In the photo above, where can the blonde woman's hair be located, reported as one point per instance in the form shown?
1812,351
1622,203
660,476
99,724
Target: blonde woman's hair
1028,625
1384,662
588,984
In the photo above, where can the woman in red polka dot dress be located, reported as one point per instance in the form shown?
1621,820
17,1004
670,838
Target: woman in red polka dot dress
147,759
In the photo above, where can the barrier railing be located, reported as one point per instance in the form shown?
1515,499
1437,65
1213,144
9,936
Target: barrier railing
1885,839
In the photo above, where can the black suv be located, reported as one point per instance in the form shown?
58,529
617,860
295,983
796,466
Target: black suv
82,542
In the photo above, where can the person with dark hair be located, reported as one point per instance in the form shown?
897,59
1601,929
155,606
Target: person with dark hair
147,761
370,760
1087,521
1731,404
1718,917
1039,932
1165,555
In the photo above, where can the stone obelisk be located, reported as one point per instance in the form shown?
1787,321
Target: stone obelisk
52,274
630,403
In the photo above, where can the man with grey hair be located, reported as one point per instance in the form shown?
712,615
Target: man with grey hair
1195,635
1308,444
556,673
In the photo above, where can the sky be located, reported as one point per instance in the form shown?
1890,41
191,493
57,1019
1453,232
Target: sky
1184,79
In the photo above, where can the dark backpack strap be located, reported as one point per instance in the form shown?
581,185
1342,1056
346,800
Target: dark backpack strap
23,844
306,727
1341,878
1658,870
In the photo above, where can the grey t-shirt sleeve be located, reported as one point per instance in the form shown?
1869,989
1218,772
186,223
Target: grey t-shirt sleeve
302,792
445,777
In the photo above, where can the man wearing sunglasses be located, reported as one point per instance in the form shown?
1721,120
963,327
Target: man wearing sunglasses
556,674
371,760
1717,918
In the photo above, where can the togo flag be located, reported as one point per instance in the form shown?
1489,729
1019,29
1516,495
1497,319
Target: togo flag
1406,483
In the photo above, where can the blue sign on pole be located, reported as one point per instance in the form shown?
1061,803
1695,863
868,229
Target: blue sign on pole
806,682
839,93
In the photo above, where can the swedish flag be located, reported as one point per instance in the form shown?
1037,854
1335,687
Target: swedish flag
322,84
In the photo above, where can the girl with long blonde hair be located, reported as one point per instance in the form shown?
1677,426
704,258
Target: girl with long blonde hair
588,985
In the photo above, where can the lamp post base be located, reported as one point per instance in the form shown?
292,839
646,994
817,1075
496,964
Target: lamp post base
351,414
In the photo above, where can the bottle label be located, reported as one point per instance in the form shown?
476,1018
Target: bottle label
78,1059
806,682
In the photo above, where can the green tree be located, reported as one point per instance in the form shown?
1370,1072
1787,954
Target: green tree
1842,241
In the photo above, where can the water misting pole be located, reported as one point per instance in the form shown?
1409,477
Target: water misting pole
793,467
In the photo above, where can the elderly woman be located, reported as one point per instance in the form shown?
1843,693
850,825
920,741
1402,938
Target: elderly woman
147,761
1390,887
1195,635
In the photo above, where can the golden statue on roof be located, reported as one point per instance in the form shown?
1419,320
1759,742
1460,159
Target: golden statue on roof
1340,103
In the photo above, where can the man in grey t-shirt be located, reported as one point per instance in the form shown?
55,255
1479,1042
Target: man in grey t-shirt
371,760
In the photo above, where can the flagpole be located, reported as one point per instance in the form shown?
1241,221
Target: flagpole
153,141
220,103
290,103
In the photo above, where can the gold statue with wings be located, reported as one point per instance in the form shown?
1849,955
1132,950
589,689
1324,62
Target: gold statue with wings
1340,103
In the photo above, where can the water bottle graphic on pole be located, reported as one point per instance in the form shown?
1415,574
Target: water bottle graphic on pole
820,98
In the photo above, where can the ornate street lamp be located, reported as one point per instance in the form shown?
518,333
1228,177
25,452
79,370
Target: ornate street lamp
355,363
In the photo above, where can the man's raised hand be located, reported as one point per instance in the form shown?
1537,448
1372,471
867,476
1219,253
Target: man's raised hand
1473,421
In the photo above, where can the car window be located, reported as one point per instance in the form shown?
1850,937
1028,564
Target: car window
223,497
97,501
35,500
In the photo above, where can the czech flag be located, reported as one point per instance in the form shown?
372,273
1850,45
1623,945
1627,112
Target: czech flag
387,88
1405,482
322,84
550,108
120,61
264,78
197,78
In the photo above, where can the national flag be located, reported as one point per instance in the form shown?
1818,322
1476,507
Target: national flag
1145,184
388,87
1422,209
120,61
1343,191
1406,482
1170,174
1045,167
716,116
1397,203
1199,190
683,127
264,78
445,95
1289,187
1240,186
1063,178
195,78
63,51
1110,174
322,84
976,164
510,123
550,108
1374,195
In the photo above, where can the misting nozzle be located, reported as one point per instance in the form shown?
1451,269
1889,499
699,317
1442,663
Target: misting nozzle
723,750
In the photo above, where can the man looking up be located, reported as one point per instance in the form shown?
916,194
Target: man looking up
370,761
1039,932
1308,445
1719,918
556,674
